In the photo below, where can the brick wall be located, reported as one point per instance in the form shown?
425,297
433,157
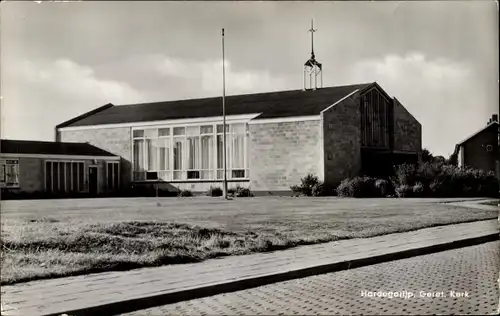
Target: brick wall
198,188
280,154
475,153
114,140
407,130
342,140
31,175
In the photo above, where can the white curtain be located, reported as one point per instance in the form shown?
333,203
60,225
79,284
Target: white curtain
153,161
164,148
194,152
238,150
206,152
177,154
139,155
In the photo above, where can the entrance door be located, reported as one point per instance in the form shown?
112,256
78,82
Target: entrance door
93,180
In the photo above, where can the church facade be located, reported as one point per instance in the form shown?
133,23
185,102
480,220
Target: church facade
272,139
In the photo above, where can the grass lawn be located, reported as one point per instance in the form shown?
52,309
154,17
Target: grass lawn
54,238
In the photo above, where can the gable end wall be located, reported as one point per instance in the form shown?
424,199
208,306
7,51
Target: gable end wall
114,140
407,130
342,140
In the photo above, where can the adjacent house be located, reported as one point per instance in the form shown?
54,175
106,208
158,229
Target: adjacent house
273,139
480,150
56,168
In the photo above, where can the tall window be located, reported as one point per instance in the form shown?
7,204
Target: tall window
207,151
179,137
139,153
9,173
193,147
237,147
112,175
164,150
64,176
190,152
375,120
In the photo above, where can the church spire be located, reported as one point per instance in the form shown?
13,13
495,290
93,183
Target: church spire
312,66
312,30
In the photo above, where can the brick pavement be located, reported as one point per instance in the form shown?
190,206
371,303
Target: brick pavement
120,292
472,269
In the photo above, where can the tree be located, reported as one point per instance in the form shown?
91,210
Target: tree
453,159
427,156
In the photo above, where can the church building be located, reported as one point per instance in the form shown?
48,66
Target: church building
272,139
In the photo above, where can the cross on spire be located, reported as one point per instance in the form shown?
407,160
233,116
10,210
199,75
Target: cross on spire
312,30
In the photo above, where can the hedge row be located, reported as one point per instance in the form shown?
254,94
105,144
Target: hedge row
428,179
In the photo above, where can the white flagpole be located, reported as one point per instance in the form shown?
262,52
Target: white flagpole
224,115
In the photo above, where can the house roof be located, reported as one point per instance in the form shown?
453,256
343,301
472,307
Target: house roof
494,123
270,105
8,146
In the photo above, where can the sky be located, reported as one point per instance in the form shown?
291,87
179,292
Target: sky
59,59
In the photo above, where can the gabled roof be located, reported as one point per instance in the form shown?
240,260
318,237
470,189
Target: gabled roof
494,123
8,146
270,105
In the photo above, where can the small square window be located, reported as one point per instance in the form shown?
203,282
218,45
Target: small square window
238,173
138,133
220,128
164,131
193,130
238,128
179,131
151,133
207,129
193,174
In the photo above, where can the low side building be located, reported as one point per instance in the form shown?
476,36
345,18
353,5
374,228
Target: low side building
56,169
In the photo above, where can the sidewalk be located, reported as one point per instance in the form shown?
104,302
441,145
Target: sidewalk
477,204
119,292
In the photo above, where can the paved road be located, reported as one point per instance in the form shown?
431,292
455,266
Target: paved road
471,272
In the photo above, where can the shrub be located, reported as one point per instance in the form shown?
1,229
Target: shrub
363,187
404,190
231,191
296,190
318,190
239,192
185,193
383,186
308,183
243,192
310,186
217,191
418,189
438,179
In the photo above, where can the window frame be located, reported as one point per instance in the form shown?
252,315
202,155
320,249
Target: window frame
17,171
204,129
68,183
114,186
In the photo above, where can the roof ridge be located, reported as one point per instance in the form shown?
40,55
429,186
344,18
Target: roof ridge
245,94
479,131
275,104
12,146
40,141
